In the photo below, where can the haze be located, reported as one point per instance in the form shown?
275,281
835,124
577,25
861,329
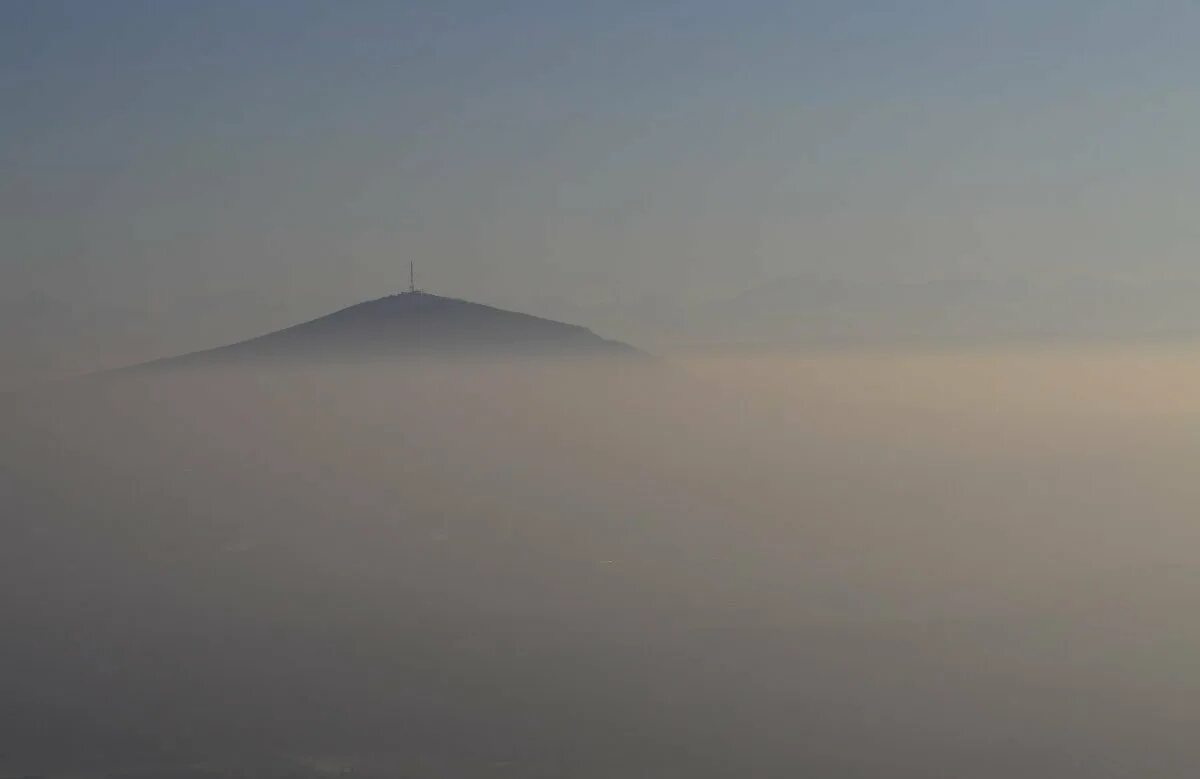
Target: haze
174,177
862,442
859,566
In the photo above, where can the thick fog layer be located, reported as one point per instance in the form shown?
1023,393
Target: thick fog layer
732,565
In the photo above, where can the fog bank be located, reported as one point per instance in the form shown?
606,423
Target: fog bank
976,564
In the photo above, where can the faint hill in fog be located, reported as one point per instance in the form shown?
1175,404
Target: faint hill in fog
411,324
814,310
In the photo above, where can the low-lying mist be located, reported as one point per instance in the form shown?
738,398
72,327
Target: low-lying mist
844,565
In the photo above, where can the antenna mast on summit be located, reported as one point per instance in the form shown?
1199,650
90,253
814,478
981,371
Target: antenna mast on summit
412,278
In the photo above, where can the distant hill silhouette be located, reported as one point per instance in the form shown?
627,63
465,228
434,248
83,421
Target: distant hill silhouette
410,324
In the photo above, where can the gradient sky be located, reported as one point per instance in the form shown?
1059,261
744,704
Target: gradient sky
207,170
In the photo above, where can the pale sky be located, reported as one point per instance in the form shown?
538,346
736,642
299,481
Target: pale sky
174,175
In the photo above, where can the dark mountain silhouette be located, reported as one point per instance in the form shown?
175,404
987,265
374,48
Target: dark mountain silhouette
411,324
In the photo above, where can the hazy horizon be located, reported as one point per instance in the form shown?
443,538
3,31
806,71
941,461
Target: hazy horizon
181,176
897,481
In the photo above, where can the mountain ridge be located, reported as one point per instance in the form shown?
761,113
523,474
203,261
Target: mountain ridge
408,324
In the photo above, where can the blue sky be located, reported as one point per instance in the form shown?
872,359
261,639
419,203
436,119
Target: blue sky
270,160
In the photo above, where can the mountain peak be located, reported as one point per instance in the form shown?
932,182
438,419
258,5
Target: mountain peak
412,323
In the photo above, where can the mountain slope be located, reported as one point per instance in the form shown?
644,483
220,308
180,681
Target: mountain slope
411,324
